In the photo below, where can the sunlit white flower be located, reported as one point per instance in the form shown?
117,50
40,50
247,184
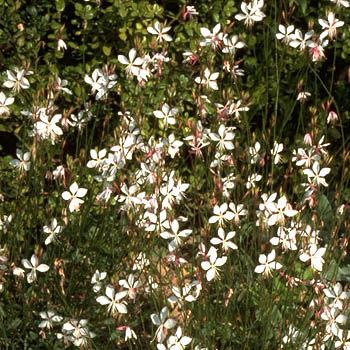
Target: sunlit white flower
221,214
131,284
178,341
224,240
231,44
336,295
34,266
252,179
275,152
303,96
334,318
279,210
175,236
267,264
53,230
74,196
113,300
315,255
212,266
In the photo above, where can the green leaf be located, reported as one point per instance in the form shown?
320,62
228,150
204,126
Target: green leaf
106,50
60,5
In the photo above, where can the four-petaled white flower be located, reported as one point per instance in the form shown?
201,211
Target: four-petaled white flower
22,163
160,31
48,318
34,266
175,235
113,300
167,114
17,81
316,174
212,266
225,241
213,38
315,255
164,324
251,12
209,79
178,341
133,63
4,103
74,195
337,295
285,33
221,214
53,230
224,137
330,26
267,263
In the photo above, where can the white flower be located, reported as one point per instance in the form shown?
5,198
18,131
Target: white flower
285,33
315,255
53,230
300,40
61,45
97,158
17,81
209,79
334,317
178,341
337,295
96,280
339,3
34,266
164,324
131,284
275,152
175,235
22,163
167,114
113,300
212,266
221,214
231,44
49,318
268,263
74,196
160,31
330,27
251,12
316,174
46,128
252,179
224,137
132,63
77,332
279,210
212,38
4,102
225,241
